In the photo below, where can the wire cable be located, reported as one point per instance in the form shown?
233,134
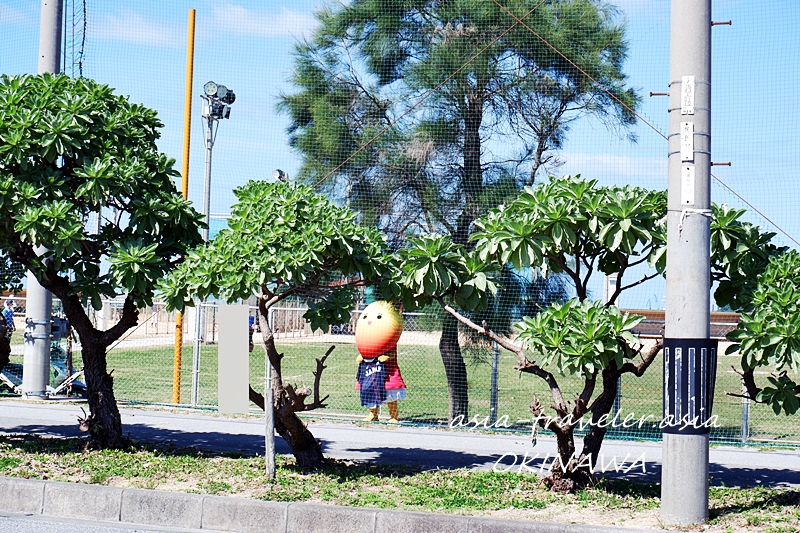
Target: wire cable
579,69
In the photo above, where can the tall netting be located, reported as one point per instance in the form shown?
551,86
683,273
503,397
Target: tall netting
422,117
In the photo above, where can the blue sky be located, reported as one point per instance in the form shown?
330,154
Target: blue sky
138,47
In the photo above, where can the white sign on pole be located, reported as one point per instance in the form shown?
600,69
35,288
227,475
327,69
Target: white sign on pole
687,185
687,141
687,95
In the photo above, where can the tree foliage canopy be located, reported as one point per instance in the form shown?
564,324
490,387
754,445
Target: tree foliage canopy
284,240
768,335
88,203
81,175
574,226
580,338
568,225
473,74
740,253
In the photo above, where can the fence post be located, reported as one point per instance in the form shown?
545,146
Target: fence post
745,415
196,354
269,414
493,396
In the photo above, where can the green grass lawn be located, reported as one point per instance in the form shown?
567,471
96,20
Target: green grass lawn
468,492
145,375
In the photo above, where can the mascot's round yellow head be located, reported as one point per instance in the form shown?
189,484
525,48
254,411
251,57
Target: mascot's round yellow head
378,329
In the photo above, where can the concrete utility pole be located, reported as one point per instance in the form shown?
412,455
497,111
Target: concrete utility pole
689,355
39,301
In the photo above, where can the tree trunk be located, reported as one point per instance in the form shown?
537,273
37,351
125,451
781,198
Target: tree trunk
454,368
567,475
472,186
305,448
5,347
602,406
103,423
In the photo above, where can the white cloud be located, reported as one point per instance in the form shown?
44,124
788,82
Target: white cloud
133,28
242,21
12,15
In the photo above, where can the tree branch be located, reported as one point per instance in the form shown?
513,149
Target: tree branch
639,282
523,364
639,368
582,399
319,403
129,318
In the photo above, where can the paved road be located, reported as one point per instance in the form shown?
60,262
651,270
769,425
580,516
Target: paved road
21,523
429,448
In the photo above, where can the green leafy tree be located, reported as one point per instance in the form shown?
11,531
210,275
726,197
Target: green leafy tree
82,186
760,280
484,106
285,241
740,253
568,225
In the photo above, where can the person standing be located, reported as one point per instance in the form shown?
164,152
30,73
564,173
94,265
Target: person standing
8,318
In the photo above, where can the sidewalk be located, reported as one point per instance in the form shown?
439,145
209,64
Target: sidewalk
29,505
429,448
33,506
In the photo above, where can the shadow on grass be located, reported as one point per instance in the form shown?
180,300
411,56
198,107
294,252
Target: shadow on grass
759,499
404,457
342,470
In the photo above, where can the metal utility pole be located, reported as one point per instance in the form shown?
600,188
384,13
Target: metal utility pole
689,355
200,310
217,105
207,181
39,301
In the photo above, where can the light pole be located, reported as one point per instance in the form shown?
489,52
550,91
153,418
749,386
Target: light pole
217,100
217,105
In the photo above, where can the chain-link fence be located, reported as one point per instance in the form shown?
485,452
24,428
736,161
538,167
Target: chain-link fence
560,87
142,363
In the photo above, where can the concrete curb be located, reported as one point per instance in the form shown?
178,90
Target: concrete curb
221,513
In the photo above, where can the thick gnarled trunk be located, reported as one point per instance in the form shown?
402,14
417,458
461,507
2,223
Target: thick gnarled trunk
286,401
304,447
567,475
576,471
103,423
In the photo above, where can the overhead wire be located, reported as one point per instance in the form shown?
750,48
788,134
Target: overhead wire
626,106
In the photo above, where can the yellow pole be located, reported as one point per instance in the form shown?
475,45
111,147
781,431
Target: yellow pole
187,129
